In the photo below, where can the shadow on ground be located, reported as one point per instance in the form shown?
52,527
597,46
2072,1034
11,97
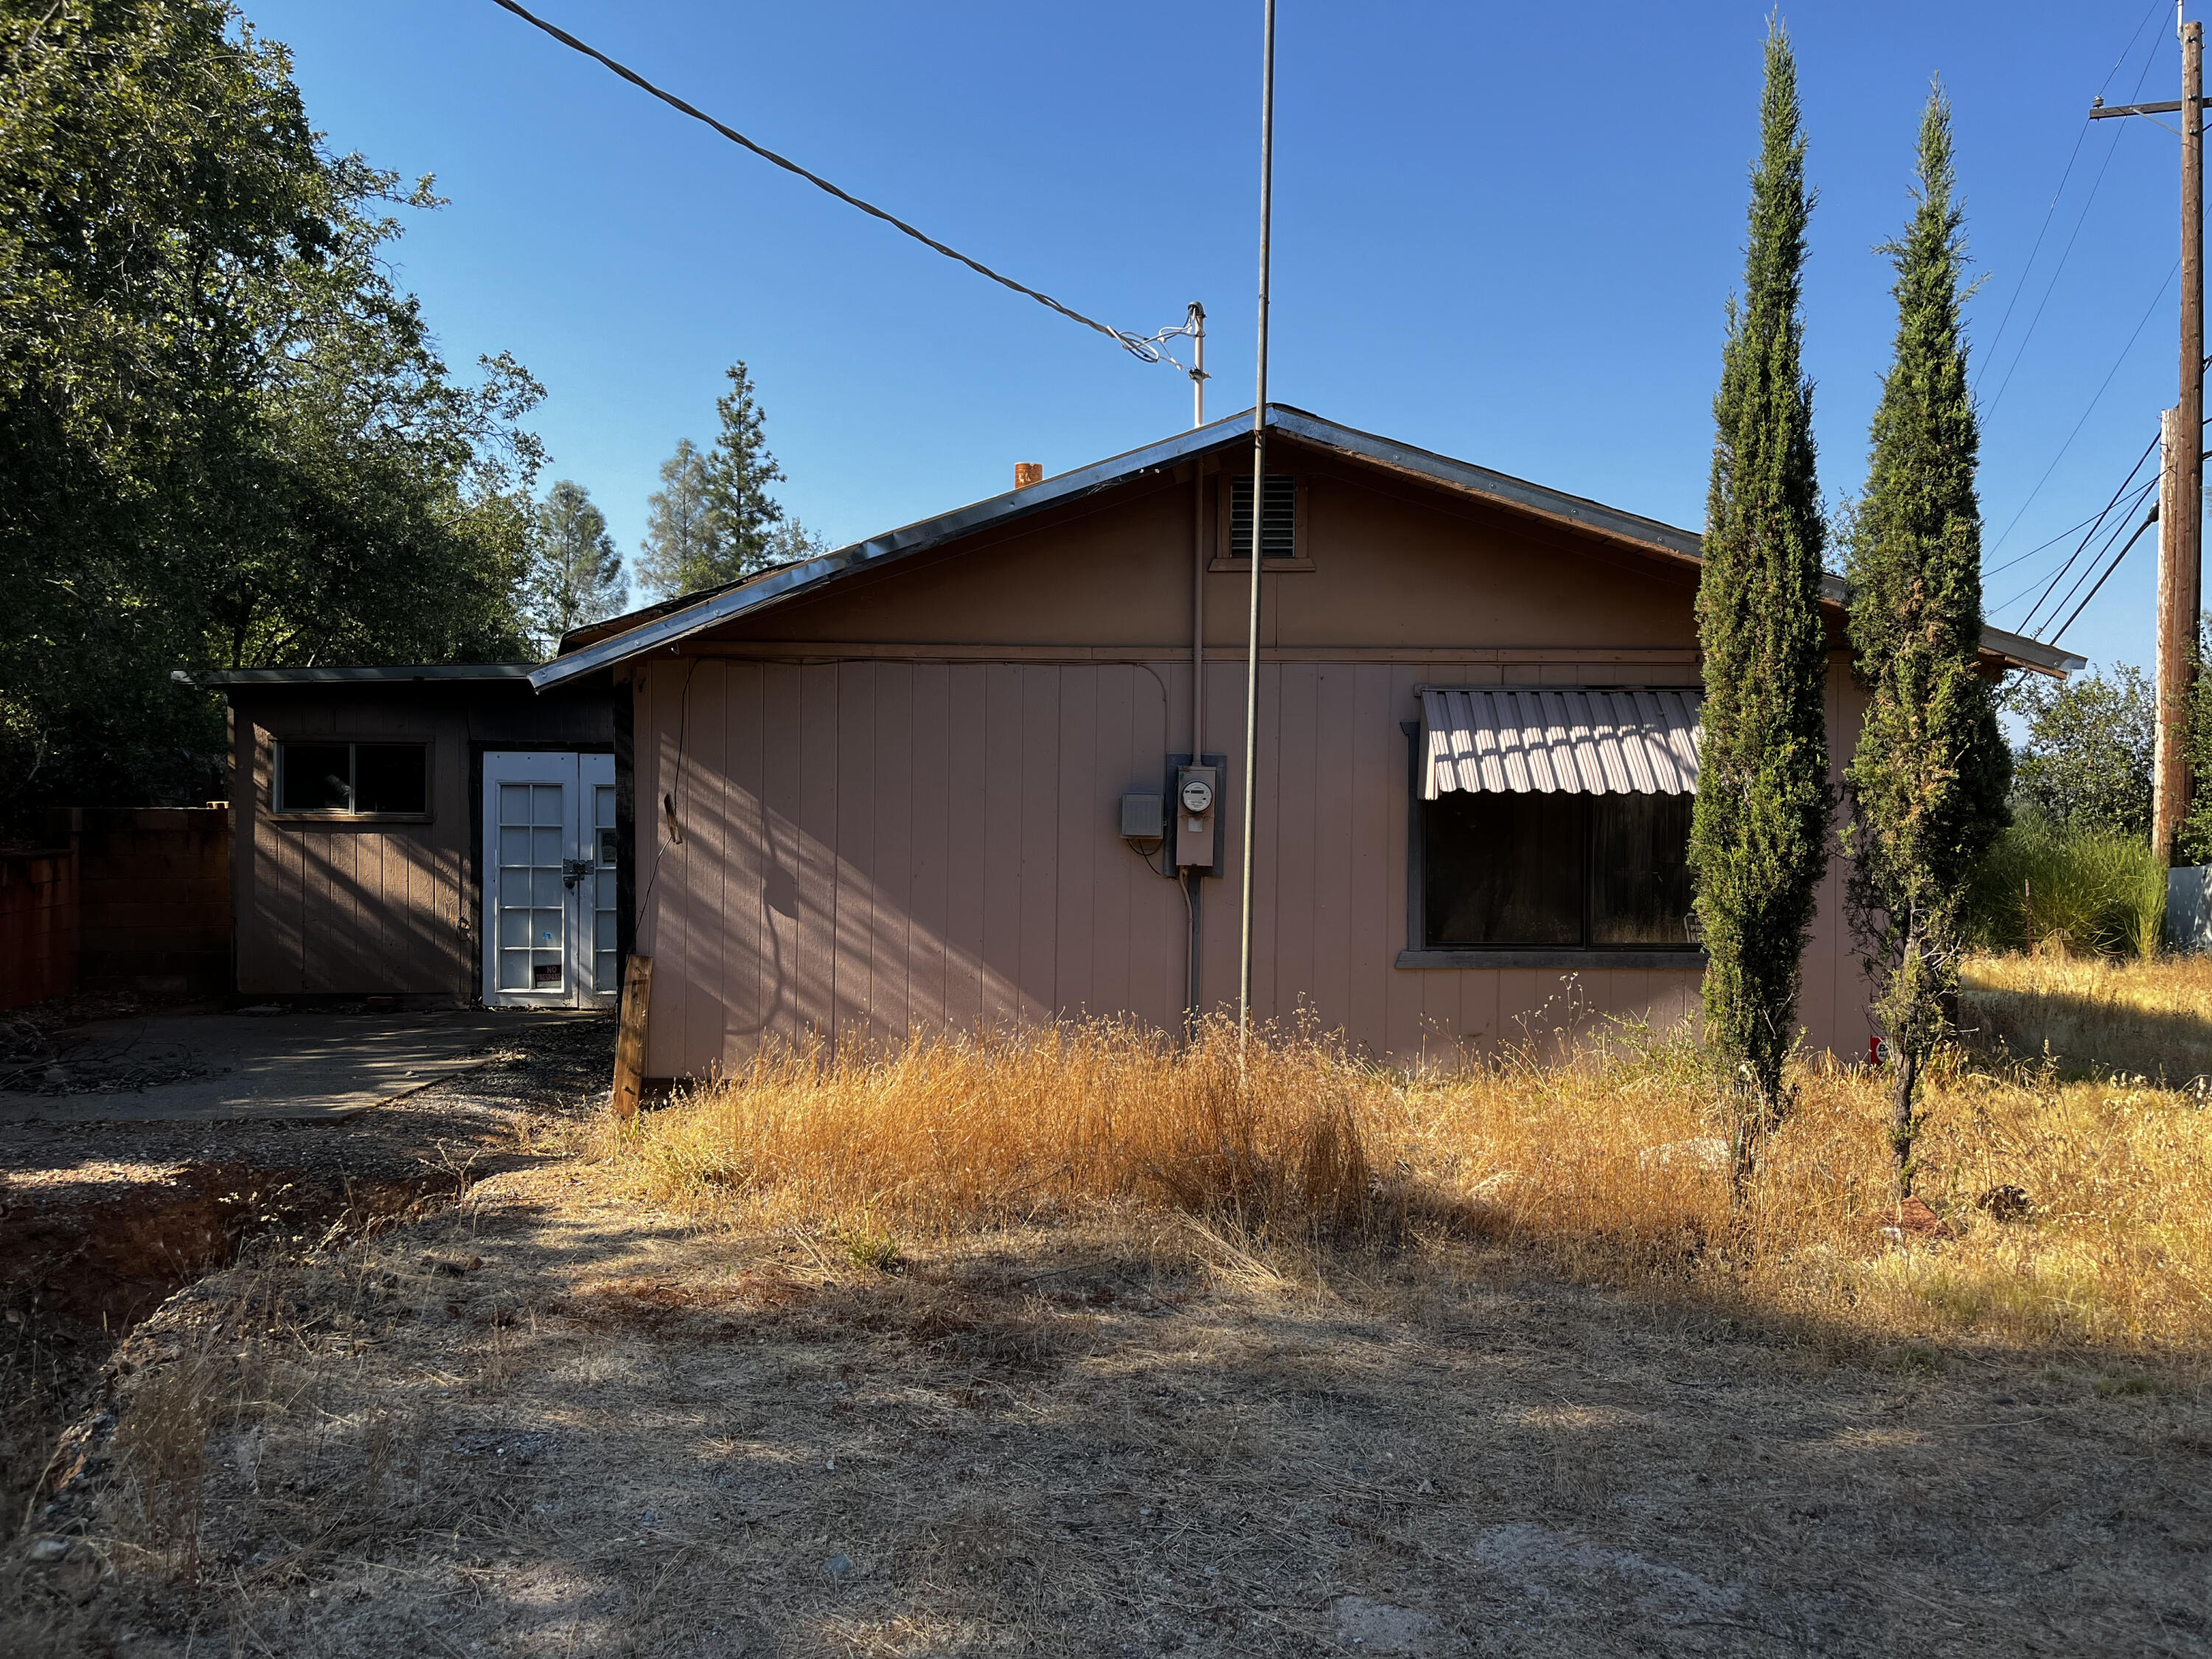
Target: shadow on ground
538,1424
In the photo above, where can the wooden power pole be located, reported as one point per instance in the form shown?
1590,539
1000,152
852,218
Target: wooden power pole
2181,516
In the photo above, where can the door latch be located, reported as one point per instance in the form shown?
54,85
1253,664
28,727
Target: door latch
573,870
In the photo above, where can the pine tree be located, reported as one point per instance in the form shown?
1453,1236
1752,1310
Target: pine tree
576,573
1758,839
738,471
1926,786
682,551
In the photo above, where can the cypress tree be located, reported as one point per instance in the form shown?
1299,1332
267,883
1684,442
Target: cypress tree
1927,785
1757,842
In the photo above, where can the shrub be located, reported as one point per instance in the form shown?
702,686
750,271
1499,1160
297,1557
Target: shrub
2083,890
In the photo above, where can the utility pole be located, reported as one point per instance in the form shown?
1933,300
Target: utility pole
2181,520
1259,526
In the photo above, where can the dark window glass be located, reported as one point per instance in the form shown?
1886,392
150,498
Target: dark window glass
1503,870
1639,870
315,777
391,777
1279,533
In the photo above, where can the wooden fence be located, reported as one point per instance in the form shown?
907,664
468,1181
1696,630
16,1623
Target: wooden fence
38,926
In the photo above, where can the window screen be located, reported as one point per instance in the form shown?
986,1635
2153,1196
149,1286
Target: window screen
365,778
1558,870
1279,533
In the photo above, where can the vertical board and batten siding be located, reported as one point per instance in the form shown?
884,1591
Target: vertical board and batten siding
326,907
870,847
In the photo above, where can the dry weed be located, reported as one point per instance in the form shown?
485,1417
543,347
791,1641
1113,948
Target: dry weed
2081,1212
2151,1018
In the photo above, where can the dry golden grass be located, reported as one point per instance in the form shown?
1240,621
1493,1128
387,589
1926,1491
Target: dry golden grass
2149,1018
1607,1165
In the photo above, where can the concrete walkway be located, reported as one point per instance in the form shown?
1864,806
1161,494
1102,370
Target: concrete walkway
263,1066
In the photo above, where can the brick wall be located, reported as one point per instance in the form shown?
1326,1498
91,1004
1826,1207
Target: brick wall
37,926
154,904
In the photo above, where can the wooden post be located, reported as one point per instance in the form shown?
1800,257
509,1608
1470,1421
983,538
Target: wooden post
629,1039
2181,566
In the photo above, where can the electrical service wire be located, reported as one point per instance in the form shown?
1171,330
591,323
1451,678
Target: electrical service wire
2089,522
2090,405
2134,502
1138,345
2080,219
2106,577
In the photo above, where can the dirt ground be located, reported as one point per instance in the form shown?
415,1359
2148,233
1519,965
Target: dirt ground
537,1423
101,1222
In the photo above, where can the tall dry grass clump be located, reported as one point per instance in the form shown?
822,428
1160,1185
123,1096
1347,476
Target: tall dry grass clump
2078,1213
951,1133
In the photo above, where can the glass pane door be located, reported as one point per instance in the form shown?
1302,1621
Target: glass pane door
606,964
548,879
532,920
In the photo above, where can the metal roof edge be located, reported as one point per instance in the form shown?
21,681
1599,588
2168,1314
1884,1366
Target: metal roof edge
923,534
342,675
1483,481
915,538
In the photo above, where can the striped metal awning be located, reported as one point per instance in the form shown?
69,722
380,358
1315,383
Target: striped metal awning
1544,742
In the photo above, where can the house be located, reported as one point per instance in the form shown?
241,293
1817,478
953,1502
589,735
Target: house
985,768
438,834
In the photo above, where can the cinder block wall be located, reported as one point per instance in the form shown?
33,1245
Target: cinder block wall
37,926
154,906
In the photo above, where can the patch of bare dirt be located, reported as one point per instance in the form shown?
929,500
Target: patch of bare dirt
101,1223
538,1423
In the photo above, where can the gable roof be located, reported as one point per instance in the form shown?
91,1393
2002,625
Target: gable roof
623,637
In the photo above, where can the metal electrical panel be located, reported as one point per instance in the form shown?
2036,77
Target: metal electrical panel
1140,818
1195,800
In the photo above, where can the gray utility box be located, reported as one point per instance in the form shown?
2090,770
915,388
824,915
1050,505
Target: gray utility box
2189,910
1197,810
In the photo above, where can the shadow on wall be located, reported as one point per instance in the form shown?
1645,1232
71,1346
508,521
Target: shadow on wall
354,911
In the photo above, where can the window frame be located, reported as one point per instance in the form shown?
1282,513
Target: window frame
1420,953
278,812
1224,562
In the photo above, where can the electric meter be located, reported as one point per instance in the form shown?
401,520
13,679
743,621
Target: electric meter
1197,793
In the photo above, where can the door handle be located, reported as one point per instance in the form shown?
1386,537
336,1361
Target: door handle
573,870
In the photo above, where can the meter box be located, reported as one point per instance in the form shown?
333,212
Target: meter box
1195,810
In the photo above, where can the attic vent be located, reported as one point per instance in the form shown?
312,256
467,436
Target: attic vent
1278,532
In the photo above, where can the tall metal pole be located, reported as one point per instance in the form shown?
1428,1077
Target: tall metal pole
2181,539
1196,324
1258,523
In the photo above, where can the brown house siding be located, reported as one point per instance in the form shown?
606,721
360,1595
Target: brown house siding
896,795
330,908
872,846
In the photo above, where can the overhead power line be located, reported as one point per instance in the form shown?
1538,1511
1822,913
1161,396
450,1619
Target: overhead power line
2106,577
2094,523
1136,344
2087,409
2019,283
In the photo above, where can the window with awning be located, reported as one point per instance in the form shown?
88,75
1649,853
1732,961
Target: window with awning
1556,818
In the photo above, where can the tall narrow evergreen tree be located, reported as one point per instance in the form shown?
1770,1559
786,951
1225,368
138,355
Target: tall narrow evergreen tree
1927,784
1758,842
738,471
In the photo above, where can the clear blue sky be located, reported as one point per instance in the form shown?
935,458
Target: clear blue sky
1503,232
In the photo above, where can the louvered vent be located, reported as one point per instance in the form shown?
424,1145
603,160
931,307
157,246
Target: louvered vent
1278,534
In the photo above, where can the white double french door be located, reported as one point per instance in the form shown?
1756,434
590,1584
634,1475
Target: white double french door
548,879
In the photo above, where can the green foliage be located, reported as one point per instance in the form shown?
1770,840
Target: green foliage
2046,885
1926,784
1756,845
2193,843
683,550
576,573
225,437
712,521
2085,763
